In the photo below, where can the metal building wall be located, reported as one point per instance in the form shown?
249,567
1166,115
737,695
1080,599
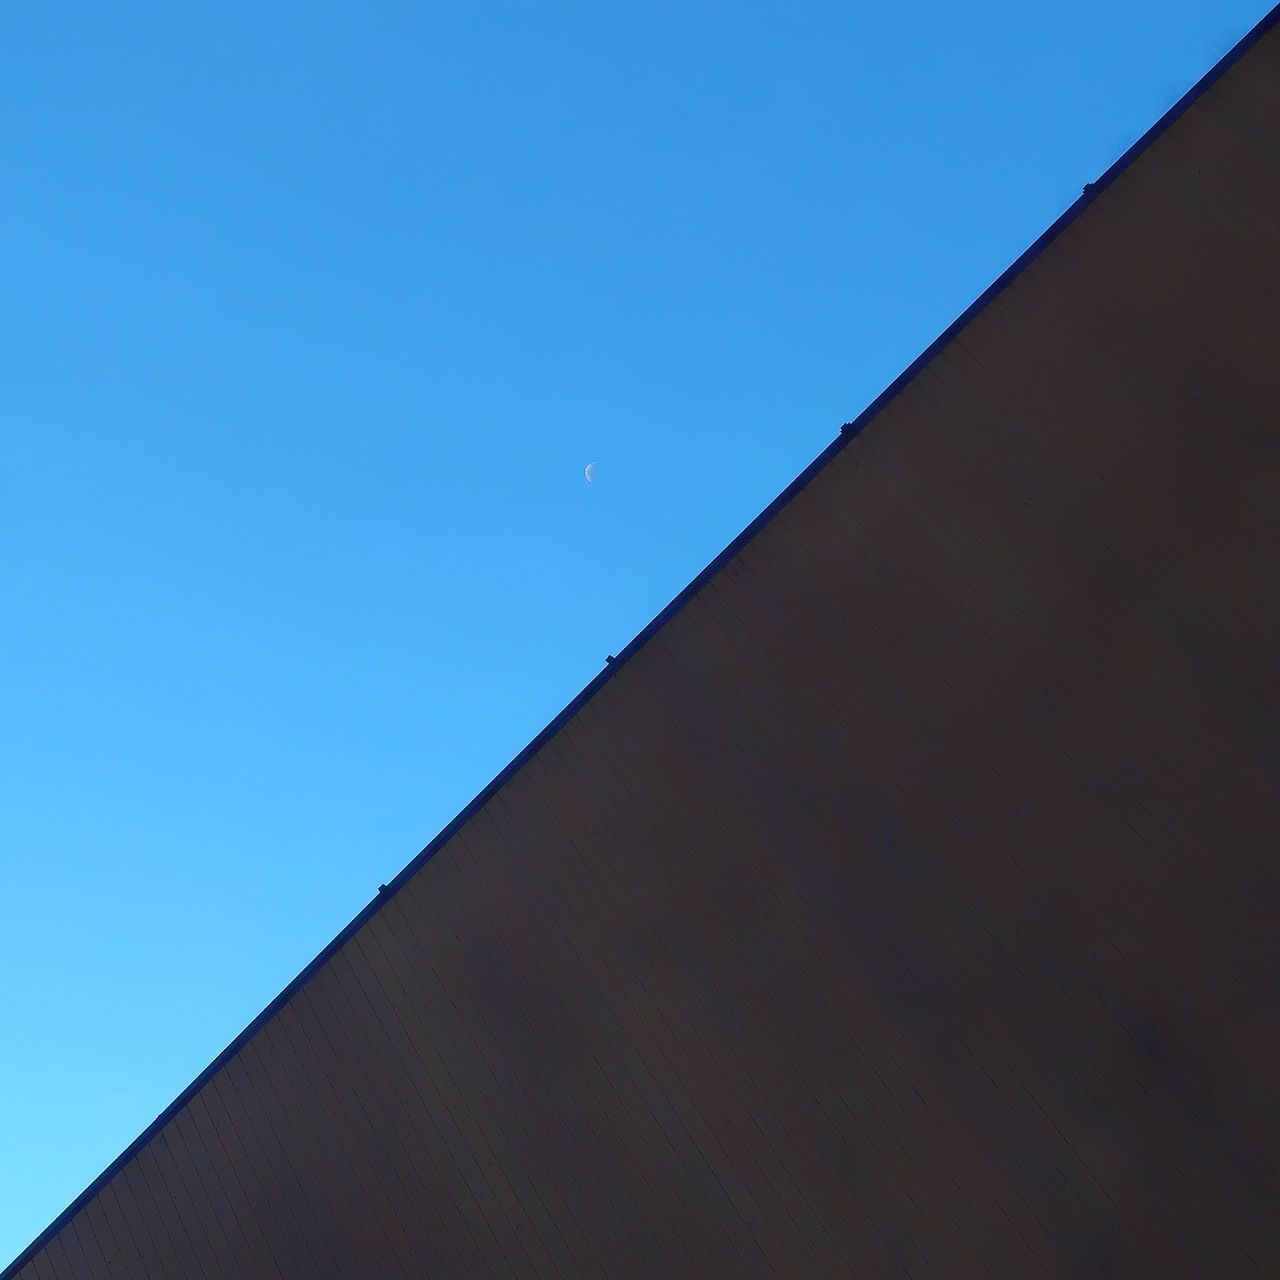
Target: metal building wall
904,904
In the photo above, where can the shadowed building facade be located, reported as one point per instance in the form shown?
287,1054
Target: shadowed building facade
902,902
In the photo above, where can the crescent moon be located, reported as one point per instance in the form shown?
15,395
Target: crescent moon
590,472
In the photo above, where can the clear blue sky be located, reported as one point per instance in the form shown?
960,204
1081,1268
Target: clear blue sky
312,316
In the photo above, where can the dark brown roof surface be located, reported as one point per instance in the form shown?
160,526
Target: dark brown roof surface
902,903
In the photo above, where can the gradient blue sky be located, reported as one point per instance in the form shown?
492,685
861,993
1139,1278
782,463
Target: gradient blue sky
312,316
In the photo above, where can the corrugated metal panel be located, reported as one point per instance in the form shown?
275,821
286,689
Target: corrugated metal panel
903,905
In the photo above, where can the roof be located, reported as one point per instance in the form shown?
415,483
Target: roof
901,899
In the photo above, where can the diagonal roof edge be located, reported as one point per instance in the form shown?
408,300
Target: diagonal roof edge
847,432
